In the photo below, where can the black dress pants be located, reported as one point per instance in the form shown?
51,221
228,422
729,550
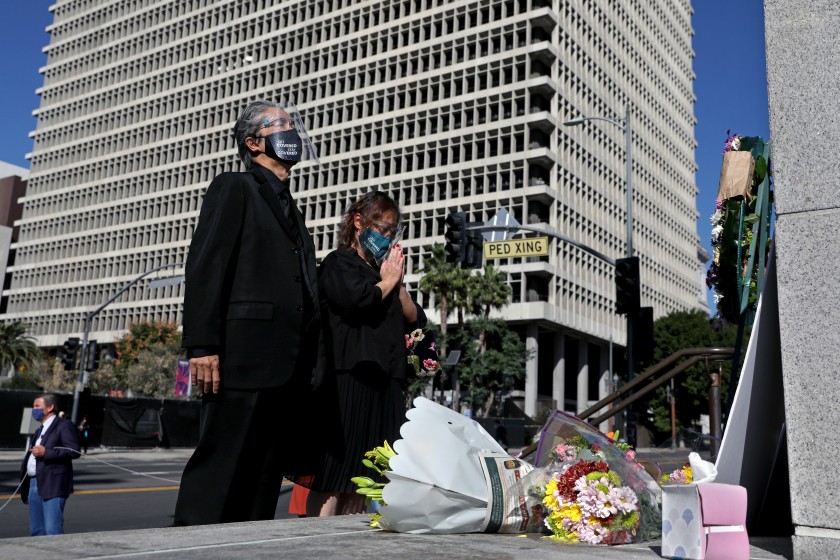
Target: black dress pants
236,470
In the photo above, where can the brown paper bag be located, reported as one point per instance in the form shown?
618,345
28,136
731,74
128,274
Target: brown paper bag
736,175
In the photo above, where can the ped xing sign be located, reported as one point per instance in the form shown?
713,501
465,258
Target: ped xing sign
525,247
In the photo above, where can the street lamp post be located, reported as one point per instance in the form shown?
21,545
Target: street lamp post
80,381
628,134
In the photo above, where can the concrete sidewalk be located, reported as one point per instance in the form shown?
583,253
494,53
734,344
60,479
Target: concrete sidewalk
346,537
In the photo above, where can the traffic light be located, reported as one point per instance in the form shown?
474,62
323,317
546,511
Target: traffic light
68,353
627,285
473,248
455,248
92,356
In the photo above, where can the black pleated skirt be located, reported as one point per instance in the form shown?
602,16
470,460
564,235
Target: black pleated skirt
369,410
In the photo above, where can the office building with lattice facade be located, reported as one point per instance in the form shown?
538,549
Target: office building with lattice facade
448,106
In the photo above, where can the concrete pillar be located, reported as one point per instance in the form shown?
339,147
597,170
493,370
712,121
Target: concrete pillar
583,376
558,378
802,84
531,371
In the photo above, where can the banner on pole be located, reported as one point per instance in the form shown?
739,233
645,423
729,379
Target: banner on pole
182,378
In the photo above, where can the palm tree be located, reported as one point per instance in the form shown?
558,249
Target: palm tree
489,291
17,348
460,296
440,278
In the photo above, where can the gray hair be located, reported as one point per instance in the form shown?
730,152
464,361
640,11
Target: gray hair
247,126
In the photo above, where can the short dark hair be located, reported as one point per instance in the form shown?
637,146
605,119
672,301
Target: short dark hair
49,400
247,126
370,206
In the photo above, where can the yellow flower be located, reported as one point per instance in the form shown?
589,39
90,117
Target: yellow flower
689,476
550,501
566,537
570,511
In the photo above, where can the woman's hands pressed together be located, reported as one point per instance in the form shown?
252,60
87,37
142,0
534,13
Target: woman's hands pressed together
392,270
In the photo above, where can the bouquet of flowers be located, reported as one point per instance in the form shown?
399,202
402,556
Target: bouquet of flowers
450,476
422,357
682,475
593,489
378,459
735,224
421,361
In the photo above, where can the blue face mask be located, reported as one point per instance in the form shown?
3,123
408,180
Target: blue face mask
38,414
375,244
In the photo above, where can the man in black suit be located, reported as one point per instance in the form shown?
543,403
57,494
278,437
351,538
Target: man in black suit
47,468
251,327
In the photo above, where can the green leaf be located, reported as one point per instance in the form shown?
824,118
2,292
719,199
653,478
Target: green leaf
760,167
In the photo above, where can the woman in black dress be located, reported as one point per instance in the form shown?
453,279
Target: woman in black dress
366,312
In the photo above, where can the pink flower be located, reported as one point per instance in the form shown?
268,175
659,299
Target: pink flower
430,365
630,455
624,499
408,341
566,453
591,533
433,347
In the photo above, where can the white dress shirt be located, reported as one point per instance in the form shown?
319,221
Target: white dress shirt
30,465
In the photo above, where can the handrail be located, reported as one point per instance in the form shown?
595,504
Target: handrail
696,355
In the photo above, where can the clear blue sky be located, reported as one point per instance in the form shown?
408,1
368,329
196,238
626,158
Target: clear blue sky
731,87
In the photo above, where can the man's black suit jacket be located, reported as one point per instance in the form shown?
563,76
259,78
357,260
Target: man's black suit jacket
247,282
55,468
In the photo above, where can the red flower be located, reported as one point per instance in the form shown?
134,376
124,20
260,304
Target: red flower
566,484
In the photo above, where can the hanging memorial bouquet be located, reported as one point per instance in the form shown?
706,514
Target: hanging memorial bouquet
422,360
422,353
737,209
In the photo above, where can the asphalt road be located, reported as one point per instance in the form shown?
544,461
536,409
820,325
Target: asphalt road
114,491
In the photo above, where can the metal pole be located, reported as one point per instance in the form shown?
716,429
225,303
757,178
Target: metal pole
88,322
80,380
629,149
714,411
628,134
673,415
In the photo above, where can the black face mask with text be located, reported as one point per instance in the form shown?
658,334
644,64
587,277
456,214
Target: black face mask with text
285,146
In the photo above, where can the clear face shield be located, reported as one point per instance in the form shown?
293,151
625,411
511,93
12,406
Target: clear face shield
379,245
286,137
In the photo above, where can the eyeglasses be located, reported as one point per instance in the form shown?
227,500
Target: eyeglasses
386,229
280,122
